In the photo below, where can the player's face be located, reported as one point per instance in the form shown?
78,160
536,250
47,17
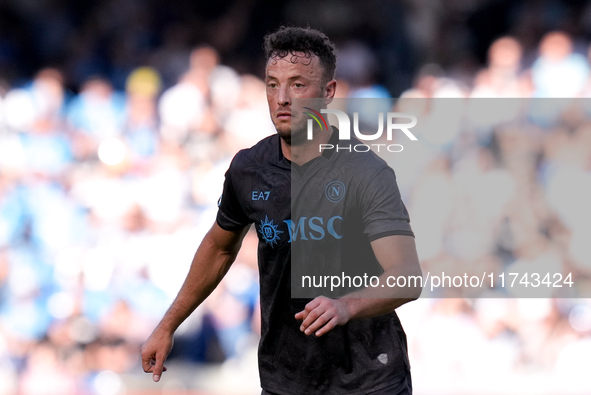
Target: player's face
290,78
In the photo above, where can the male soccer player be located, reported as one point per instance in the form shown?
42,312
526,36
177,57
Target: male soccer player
347,345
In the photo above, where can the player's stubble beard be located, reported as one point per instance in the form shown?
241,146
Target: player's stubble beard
292,134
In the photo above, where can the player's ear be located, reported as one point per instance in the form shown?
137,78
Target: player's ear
329,91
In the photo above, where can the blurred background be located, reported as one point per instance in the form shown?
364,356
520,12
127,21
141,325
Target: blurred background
119,118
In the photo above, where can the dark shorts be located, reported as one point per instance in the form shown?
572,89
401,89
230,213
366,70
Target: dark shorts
403,387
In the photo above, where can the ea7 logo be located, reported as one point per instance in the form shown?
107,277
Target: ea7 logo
345,124
260,195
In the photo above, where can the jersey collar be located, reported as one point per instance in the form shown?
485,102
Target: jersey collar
327,154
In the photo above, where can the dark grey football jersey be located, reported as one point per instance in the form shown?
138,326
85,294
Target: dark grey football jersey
320,217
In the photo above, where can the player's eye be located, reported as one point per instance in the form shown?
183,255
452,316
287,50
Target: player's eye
272,85
298,85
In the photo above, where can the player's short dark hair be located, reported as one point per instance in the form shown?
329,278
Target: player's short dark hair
288,40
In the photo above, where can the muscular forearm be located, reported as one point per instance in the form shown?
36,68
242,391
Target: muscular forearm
210,264
398,256
373,301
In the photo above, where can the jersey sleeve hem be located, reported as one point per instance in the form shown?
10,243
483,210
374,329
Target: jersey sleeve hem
391,233
226,224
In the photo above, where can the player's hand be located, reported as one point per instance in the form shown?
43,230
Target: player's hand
154,351
322,315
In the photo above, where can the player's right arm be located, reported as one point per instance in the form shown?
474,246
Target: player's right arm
211,262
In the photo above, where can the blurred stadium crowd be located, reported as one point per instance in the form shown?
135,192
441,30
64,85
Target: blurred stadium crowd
109,178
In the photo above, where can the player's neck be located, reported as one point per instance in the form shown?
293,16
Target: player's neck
308,150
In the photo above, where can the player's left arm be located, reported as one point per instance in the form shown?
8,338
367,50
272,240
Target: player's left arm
397,255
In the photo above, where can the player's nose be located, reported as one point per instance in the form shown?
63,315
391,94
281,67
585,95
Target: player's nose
283,98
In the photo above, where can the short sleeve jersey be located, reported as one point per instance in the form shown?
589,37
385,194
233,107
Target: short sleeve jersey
340,203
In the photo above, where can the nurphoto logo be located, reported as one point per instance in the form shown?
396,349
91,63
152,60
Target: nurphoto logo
392,123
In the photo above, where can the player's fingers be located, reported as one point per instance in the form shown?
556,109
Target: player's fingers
328,327
313,304
310,318
315,314
300,315
158,368
319,322
164,369
147,361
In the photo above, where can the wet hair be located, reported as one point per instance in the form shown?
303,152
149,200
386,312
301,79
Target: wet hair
288,41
